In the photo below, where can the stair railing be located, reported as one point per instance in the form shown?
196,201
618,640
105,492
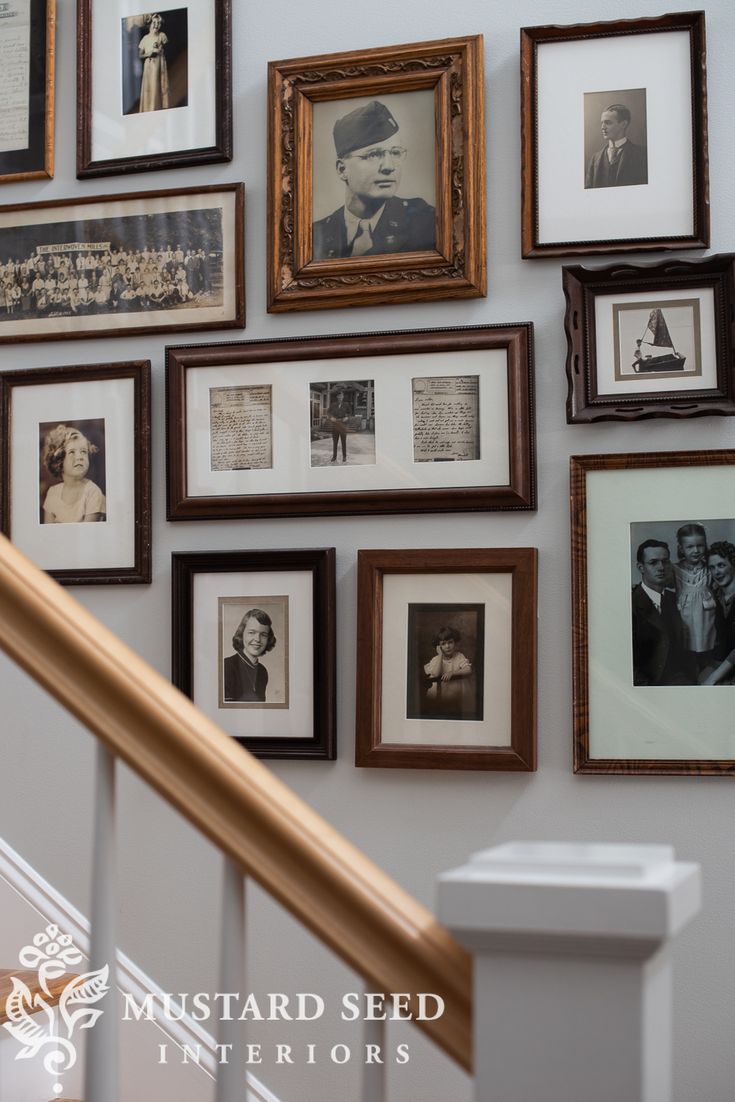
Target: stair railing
264,830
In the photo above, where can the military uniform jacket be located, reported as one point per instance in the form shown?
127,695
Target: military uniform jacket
631,167
405,226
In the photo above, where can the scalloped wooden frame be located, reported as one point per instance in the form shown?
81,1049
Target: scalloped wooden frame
582,286
453,68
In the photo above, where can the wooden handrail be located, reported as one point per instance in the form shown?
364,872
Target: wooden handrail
367,919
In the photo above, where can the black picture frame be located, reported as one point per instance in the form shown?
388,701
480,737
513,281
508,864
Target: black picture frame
320,744
218,69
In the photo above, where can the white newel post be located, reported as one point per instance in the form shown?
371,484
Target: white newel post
572,967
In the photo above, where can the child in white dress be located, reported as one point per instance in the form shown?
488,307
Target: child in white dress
694,597
448,670
76,498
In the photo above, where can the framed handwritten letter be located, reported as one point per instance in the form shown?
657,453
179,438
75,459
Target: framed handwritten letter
432,420
27,29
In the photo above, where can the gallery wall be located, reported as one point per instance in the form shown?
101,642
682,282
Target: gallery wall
415,824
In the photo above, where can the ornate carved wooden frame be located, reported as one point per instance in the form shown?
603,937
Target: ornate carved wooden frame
453,69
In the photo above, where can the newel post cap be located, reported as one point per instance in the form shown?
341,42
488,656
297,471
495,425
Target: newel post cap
624,895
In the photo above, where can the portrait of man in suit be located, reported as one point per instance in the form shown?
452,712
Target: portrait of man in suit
622,161
659,657
374,218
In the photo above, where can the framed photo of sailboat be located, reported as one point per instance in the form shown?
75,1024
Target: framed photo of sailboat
653,341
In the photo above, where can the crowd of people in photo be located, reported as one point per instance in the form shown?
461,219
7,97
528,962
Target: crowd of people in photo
684,611
59,282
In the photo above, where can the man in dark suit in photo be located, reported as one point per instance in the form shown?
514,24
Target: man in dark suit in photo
620,162
373,220
659,657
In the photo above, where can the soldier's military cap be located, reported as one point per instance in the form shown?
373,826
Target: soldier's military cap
363,126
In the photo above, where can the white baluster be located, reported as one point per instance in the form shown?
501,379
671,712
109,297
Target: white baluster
101,1071
373,1074
232,975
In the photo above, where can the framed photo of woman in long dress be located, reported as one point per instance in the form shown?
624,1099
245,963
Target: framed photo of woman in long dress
154,87
75,492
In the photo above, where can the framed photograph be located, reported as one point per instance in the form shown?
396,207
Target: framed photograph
156,261
27,52
76,470
653,576
414,422
254,646
600,171
653,341
154,87
376,169
446,669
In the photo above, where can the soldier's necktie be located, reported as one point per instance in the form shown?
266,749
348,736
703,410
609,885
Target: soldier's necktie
362,241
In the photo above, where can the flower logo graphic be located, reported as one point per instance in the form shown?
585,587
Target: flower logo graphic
31,1018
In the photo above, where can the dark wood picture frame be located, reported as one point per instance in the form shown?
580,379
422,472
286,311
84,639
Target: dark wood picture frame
372,567
36,160
36,324
356,349
585,403
534,38
456,268
321,563
221,74
139,371
581,466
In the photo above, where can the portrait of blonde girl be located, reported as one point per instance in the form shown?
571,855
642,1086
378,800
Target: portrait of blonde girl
73,497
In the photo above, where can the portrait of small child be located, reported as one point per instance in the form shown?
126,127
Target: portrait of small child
694,596
445,654
68,452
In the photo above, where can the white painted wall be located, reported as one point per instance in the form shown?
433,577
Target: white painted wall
415,824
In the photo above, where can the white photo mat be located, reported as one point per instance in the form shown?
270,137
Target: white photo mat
567,211
394,468
296,721
495,592
647,722
649,384
108,544
115,135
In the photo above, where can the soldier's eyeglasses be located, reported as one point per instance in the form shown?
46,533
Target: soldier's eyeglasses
395,153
